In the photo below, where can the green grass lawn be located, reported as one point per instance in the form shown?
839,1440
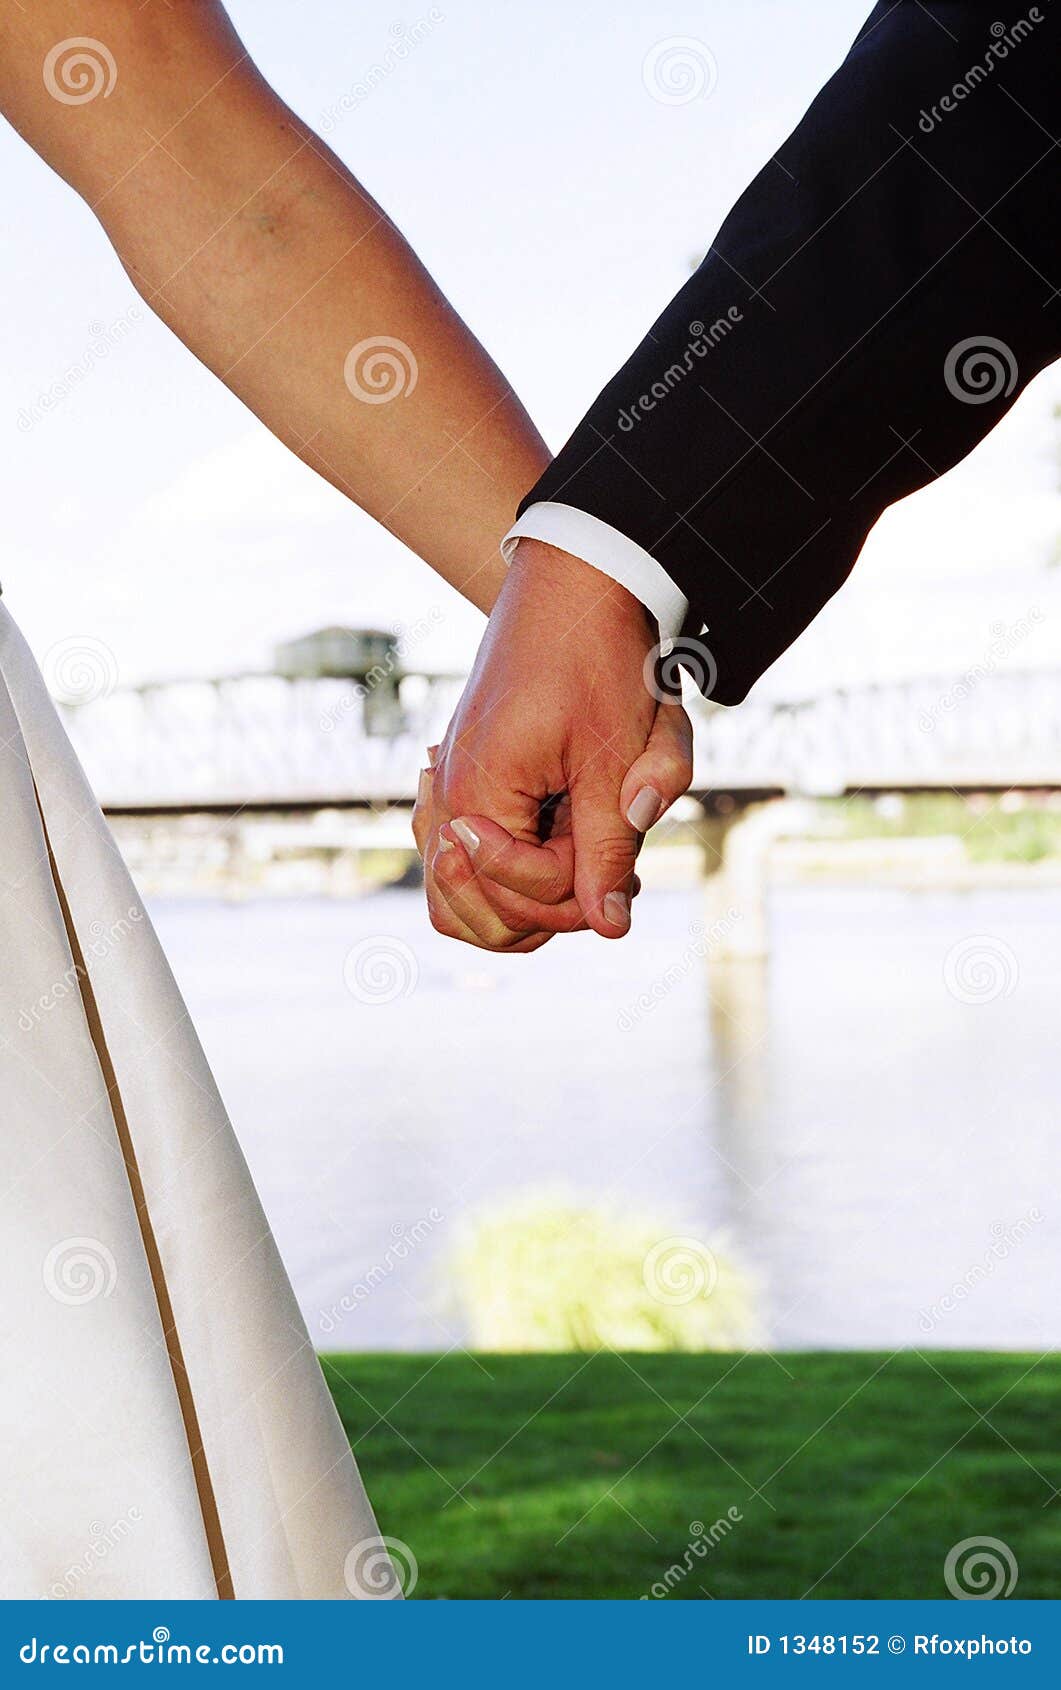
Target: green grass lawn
572,1475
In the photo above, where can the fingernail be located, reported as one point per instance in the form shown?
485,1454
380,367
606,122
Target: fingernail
617,909
645,809
423,787
445,844
432,756
467,836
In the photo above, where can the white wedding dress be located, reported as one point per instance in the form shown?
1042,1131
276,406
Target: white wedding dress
165,1430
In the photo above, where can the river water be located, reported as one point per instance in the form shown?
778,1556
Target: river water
869,1122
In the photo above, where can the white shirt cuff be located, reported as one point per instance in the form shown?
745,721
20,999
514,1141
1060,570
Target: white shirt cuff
603,547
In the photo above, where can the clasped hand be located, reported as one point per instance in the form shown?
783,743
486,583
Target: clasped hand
563,751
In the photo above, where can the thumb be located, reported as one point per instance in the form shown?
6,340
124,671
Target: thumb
605,848
663,771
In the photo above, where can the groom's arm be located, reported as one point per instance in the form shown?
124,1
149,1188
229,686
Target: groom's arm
871,307
873,304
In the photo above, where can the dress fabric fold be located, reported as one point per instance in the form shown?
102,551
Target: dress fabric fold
165,1429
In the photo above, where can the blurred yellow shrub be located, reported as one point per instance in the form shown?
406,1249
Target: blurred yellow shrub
548,1274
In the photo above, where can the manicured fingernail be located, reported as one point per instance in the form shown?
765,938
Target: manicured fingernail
645,809
432,756
445,844
467,836
617,909
423,787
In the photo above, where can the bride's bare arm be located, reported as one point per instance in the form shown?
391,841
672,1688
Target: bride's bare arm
246,234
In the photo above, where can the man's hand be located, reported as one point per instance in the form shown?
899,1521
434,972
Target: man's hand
558,708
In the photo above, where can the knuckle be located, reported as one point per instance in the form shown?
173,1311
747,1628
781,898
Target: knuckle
517,916
546,884
445,868
614,849
614,857
496,925
501,939
488,933
456,796
457,783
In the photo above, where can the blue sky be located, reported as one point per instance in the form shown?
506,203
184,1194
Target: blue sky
560,206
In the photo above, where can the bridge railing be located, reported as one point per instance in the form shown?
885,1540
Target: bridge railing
266,740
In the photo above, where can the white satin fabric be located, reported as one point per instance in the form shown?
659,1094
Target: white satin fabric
100,1495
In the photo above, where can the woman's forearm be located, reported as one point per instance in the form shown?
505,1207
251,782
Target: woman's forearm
261,251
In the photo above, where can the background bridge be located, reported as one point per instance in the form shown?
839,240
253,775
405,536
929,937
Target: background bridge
339,725
285,742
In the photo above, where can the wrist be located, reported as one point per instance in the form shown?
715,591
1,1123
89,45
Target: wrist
568,581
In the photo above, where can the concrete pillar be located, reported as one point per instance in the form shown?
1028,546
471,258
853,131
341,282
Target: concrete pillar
737,849
734,891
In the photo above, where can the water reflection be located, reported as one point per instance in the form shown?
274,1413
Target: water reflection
873,1147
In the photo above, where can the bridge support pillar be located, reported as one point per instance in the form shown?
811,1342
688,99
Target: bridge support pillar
737,847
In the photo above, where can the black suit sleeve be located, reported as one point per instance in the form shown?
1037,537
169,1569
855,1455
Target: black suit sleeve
871,307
